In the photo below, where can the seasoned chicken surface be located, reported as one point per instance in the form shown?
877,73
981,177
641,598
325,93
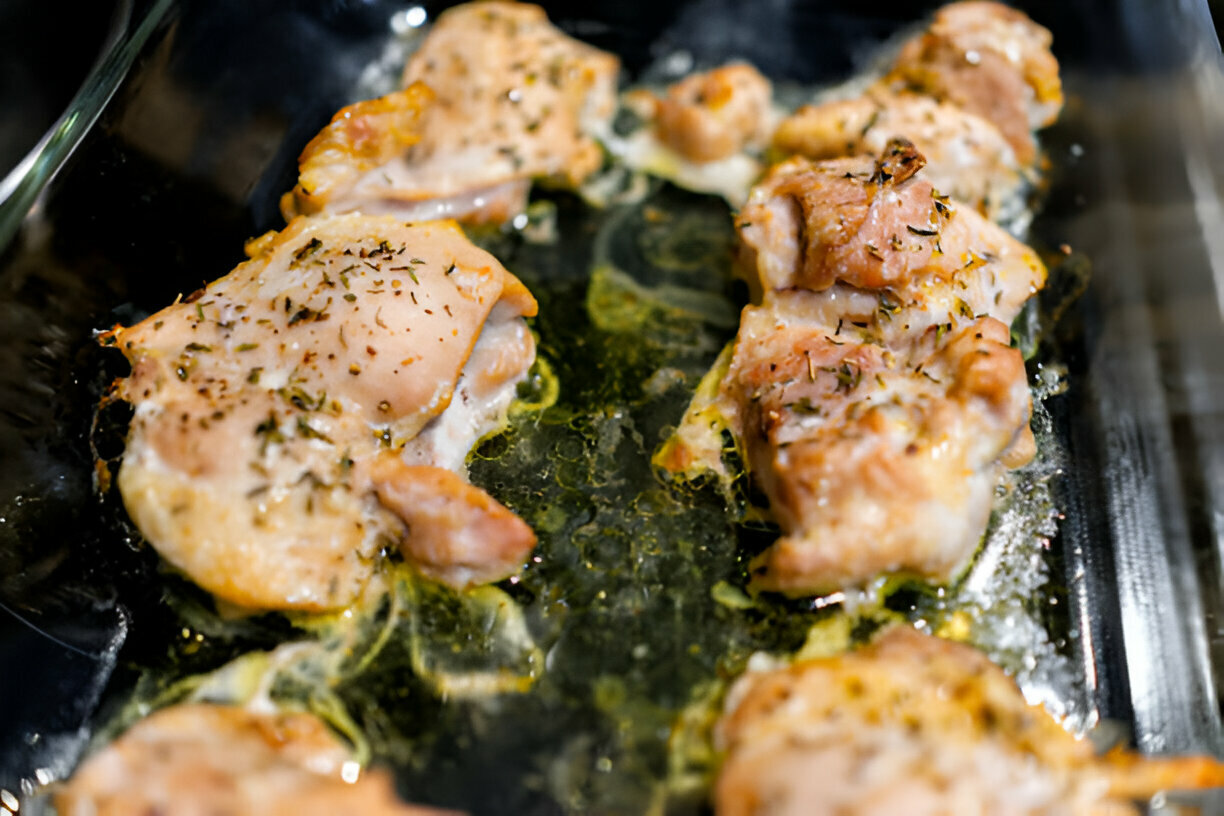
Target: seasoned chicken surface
215,760
991,60
266,405
873,391
715,114
516,96
967,157
875,460
917,725
496,96
876,224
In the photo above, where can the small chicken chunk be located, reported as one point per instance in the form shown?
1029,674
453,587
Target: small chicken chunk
205,760
716,114
967,157
917,725
879,225
263,403
991,60
496,96
875,460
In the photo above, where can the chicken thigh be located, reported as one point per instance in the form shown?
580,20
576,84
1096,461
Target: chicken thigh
496,97
715,114
199,759
271,409
991,60
873,391
879,225
917,725
876,460
967,157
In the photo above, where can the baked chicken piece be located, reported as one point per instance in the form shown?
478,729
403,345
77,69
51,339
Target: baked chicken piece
917,725
875,460
199,759
873,391
967,157
879,225
496,96
715,114
283,412
992,61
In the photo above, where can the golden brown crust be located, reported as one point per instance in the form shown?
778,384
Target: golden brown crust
359,138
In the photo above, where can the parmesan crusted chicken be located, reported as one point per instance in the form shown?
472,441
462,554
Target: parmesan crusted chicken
967,157
209,760
917,725
283,413
873,391
990,60
496,96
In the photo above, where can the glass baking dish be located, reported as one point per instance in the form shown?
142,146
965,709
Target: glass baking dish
212,103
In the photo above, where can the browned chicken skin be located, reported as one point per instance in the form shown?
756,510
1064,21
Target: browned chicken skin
496,96
990,60
360,138
457,533
917,725
264,405
968,92
874,462
875,224
215,760
873,391
967,157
